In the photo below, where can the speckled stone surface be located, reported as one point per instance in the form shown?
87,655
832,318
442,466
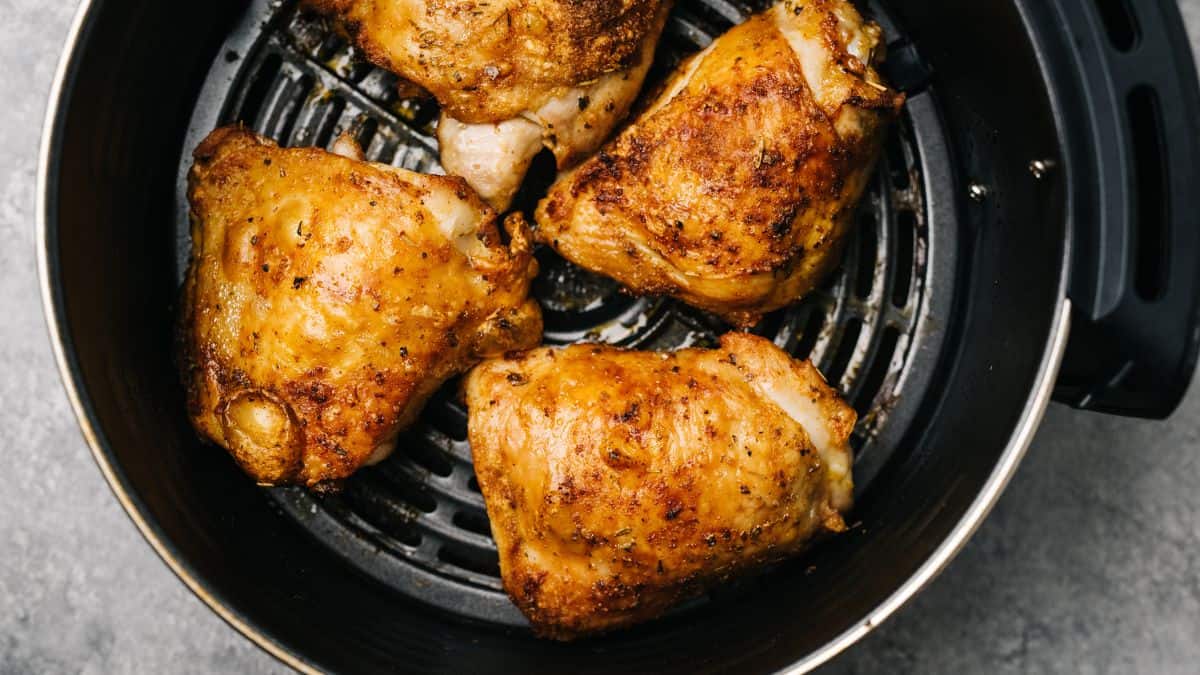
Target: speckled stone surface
1090,562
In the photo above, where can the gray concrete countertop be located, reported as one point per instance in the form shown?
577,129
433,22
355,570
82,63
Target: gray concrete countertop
1090,562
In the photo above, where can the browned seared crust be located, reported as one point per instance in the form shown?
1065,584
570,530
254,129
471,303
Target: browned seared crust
490,60
620,483
734,190
323,303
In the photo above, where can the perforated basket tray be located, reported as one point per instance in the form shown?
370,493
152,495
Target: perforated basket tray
417,522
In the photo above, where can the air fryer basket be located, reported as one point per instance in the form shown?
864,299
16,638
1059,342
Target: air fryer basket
417,522
945,327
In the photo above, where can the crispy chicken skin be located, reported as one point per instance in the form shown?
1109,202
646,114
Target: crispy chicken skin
620,483
512,76
734,189
328,297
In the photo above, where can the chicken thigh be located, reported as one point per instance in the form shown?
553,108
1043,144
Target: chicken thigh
327,298
512,76
620,483
735,188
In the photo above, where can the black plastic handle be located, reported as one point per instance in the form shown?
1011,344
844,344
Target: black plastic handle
1131,115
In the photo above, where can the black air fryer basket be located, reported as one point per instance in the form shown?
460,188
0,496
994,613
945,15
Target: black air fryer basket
1031,232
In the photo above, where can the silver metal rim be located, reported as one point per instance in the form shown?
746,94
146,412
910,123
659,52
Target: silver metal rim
1018,444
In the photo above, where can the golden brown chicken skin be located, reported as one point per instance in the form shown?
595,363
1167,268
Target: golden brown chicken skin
512,76
735,188
328,297
488,60
620,483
